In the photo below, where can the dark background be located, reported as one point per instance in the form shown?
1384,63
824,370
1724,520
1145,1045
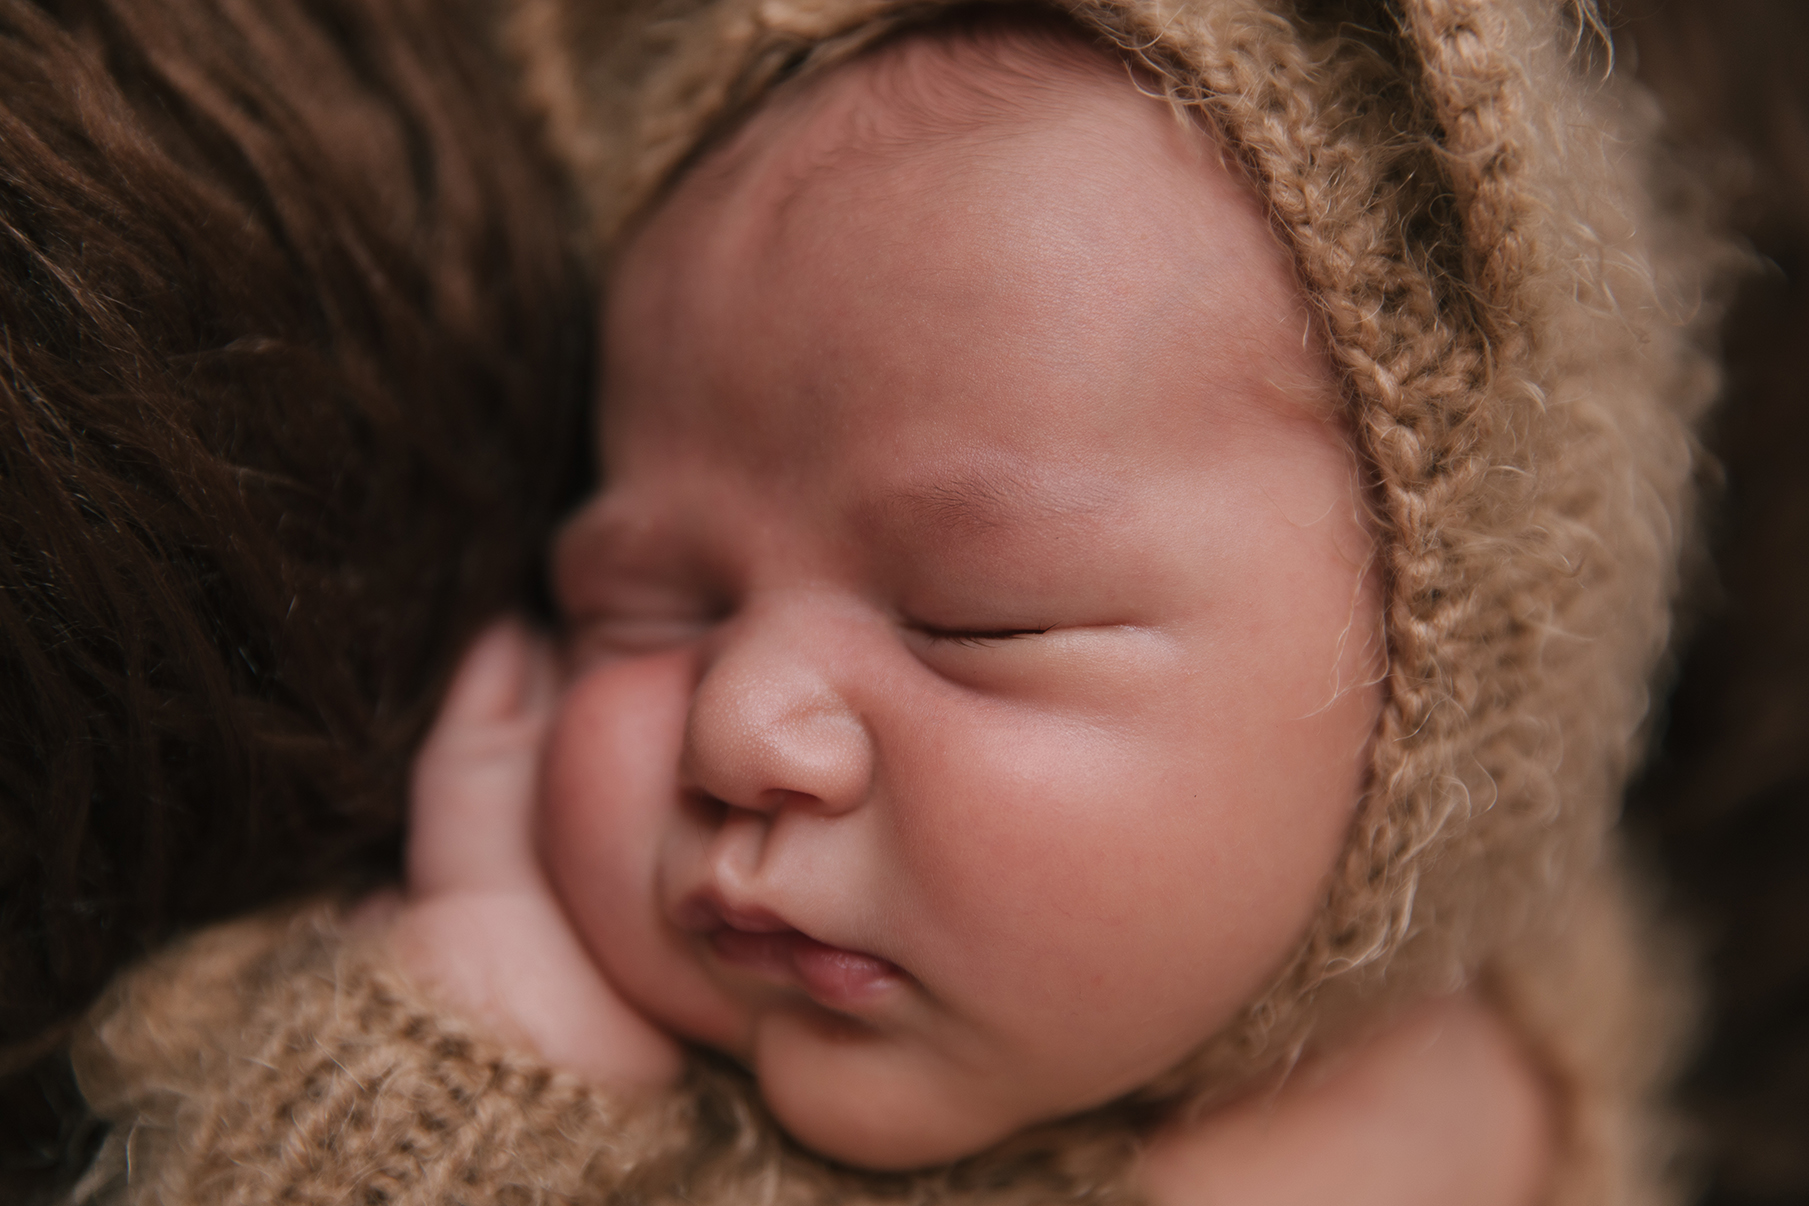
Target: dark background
1723,807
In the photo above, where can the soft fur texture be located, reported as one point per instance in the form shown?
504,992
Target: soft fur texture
1472,211
293,380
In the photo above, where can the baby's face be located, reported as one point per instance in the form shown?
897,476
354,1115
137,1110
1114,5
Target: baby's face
971,642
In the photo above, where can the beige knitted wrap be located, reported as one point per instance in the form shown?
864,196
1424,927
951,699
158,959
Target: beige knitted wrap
1471,207
1472,210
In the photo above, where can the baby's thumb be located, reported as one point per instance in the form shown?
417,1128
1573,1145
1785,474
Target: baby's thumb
471,811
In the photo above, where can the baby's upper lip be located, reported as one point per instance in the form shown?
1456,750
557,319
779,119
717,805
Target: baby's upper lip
705,911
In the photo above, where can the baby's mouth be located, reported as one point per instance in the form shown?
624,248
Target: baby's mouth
759,942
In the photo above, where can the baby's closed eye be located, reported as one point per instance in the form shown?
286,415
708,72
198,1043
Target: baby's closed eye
630,619
1056,662
975,636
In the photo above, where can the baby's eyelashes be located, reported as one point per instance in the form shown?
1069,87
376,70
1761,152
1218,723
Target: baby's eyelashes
627,635
974,636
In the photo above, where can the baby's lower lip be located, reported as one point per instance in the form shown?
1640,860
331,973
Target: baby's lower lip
832,976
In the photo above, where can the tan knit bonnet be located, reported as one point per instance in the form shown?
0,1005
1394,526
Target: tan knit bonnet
1470,201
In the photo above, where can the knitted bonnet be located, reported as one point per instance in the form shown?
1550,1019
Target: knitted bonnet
1472,209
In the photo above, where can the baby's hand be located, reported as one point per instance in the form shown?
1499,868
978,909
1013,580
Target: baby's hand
478,923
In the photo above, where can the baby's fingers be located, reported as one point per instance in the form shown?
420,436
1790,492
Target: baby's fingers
472,796
479,924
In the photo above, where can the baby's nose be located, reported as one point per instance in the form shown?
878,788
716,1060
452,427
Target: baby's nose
768,728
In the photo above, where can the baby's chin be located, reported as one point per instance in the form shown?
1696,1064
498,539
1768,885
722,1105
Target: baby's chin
861,1099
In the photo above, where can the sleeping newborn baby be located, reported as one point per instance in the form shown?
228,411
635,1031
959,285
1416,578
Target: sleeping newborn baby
969,663
1129,553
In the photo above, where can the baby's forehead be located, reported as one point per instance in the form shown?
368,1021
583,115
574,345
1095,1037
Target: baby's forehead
968,200
1023,146
997,104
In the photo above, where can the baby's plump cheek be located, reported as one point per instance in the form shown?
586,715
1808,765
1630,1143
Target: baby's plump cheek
610,796
1120,884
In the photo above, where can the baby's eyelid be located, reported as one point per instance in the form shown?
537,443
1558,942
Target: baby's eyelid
633,601
633,636
652,621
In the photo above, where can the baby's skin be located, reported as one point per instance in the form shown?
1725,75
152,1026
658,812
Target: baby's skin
967,665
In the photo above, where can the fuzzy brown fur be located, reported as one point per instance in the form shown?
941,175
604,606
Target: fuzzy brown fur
292,381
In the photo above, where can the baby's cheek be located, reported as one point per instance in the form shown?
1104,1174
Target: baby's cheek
608,790
1063,865
1158,860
